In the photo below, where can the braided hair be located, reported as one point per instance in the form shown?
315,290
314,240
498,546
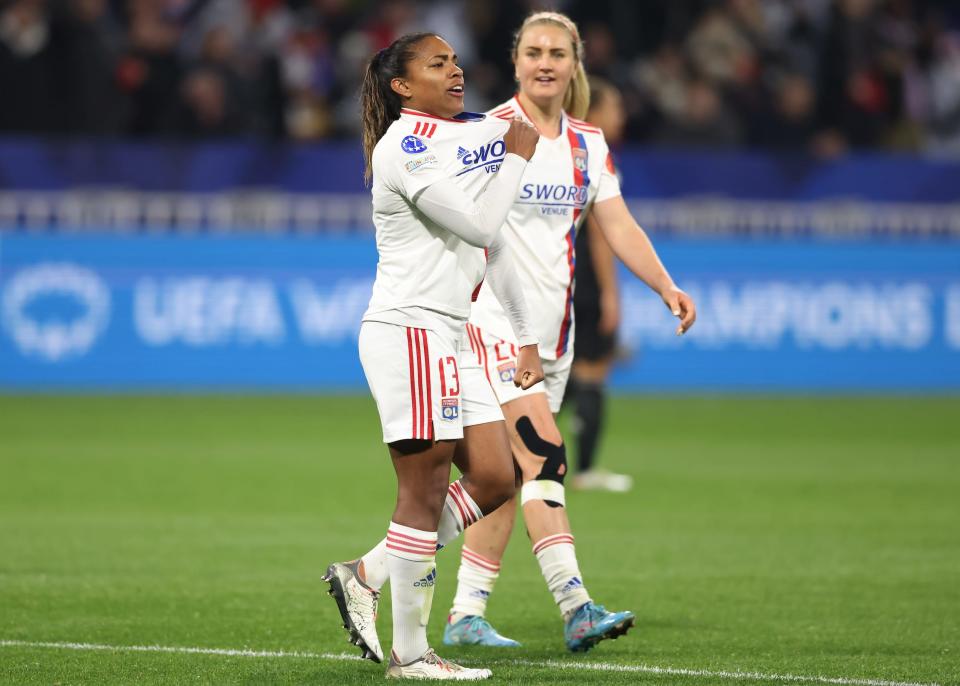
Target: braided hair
379,104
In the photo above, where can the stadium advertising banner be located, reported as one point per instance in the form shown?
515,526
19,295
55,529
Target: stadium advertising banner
206,312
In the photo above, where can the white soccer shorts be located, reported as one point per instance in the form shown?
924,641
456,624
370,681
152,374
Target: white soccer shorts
420,388
498,359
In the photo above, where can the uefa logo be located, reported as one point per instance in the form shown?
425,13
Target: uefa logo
55,311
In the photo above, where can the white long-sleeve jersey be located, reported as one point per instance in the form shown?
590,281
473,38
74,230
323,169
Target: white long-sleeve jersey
437,200
565,176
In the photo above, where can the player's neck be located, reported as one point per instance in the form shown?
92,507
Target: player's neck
544,115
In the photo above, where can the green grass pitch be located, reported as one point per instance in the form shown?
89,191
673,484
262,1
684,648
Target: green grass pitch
778,536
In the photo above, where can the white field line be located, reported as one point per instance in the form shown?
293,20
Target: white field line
545,664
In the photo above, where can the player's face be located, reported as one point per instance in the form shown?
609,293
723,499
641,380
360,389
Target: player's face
433,82
545,62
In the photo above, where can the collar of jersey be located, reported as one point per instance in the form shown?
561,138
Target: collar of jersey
461,118
518,107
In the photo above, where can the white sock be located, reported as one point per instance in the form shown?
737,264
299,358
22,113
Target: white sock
411,557
375,570
475,581
459,512
558,563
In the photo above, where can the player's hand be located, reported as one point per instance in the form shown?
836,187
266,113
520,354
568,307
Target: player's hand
521,139
529,370
681,305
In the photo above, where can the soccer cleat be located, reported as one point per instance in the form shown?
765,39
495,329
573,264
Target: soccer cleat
591,624
601,480
474,630
358,607
432,666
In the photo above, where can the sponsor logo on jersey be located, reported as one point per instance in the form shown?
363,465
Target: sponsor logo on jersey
554,192
461,151
491,153
429,580
422,162
450,408
55,310
507,371
579,159
413,145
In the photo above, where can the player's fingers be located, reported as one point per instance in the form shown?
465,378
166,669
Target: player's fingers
689,313
531,379
673,303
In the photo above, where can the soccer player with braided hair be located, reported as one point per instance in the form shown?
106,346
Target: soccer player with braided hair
438,238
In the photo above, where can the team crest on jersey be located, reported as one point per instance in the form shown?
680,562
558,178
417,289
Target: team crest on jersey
450,408
507,371
413,145
579,159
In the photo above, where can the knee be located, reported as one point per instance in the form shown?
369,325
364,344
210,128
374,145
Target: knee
547,483
505,487
497,486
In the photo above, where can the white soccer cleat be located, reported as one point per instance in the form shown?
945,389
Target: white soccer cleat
432,666
358,607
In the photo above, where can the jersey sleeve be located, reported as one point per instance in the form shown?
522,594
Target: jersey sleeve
409,165
609,185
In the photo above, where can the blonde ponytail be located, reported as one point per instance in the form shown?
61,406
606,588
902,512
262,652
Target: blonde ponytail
576,101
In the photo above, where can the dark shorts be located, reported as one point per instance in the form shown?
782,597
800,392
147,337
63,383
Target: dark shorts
589,343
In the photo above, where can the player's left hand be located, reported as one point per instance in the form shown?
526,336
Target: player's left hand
529,370
681,305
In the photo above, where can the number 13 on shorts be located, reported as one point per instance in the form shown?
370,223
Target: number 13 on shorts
449,388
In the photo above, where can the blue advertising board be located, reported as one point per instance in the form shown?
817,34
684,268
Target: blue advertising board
177,312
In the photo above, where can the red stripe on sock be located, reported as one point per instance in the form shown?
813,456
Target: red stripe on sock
552,540
465,499
479,560
410,548
412,551
412,539
452,492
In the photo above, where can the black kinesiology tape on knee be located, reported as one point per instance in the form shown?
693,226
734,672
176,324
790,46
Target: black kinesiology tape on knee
555,456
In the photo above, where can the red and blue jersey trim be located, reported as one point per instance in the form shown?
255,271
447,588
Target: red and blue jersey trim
580,178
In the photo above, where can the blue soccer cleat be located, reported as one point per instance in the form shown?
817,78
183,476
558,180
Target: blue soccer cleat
474,630
591,624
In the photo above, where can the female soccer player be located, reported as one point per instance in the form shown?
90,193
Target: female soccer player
434,215
570,174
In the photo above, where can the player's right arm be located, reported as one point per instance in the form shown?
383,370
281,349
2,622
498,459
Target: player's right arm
478,221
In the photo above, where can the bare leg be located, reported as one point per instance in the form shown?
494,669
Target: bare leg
423,472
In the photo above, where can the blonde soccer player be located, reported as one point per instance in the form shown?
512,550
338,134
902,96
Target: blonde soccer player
570,175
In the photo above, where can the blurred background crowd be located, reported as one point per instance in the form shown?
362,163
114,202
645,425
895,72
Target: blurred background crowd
822,76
